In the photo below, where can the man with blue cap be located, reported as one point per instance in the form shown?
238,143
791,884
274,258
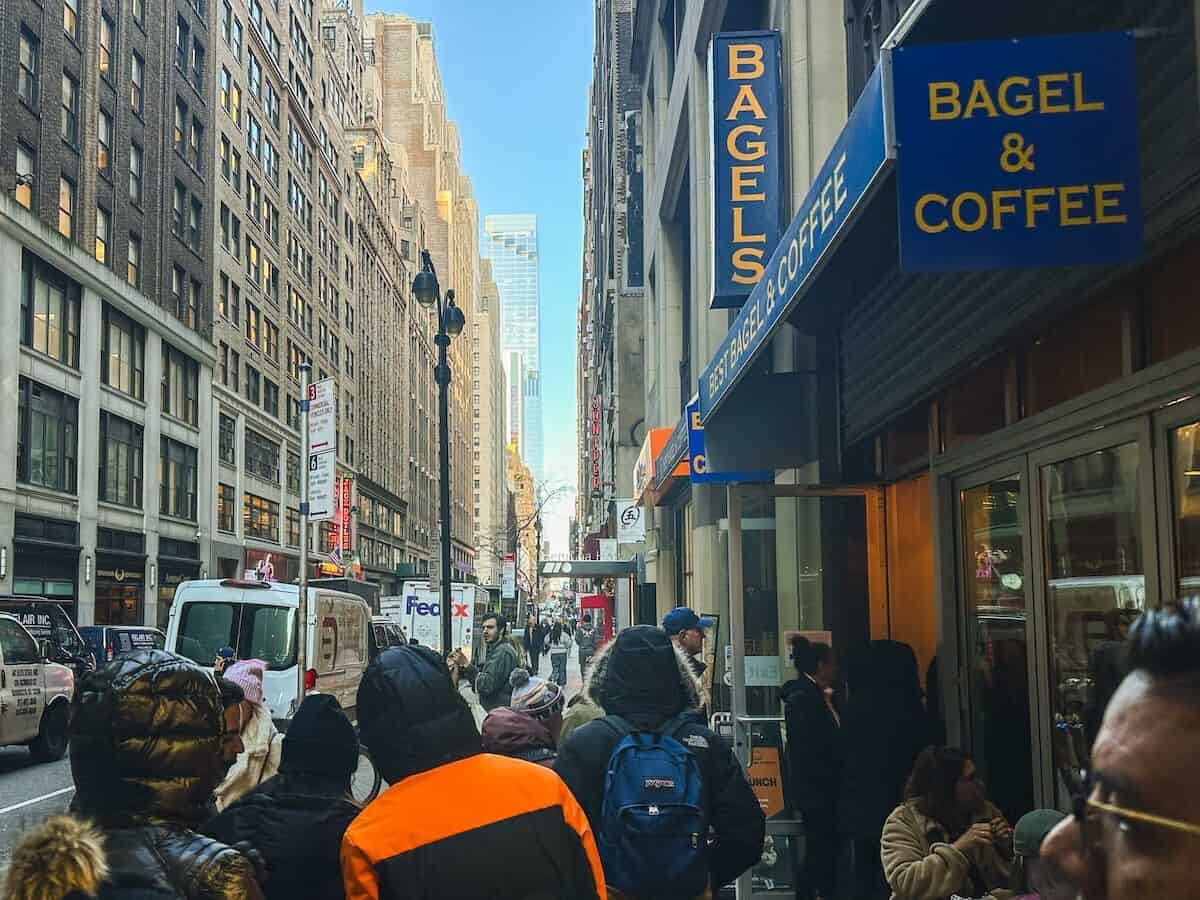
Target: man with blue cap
687,629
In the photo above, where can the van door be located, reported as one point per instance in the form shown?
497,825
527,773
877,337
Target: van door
22,692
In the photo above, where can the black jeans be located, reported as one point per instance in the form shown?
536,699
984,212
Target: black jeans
818,871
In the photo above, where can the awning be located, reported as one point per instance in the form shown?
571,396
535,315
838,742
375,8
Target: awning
673,454
647,486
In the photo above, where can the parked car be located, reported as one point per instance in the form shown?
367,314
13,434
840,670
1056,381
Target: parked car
384,634
107,642
35,693
48,621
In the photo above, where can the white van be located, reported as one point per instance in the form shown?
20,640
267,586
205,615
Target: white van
258,620
418,609
35,693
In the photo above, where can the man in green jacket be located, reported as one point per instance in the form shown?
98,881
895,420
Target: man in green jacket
492,685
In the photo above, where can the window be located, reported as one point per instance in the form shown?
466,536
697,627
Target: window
293,527
120,461
177,480
195,219
70,110
225,444
271,104
197,143
293,472
235,40
270,339
191,315
252,324
122,353
135,174
231,299
106,43
183,35
103,235
253,136
177,206
260,518
230,363
180,385
47,426
271,397
293,413
28,62
235,171
262,457
104,139
225,508
133,273
181,112
136,77
49,312
255,71
26,175
66,207
71,18
198,65
178,277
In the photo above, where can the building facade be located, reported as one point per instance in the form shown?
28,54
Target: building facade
488,438
510,242
106,362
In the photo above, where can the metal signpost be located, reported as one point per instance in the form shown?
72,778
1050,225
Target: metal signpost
318,492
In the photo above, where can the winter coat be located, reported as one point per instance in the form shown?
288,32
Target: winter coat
645,680
586,638
296,823
492,684
535,638
581,709
256,763
457,822
562,645
145,757
884,727
920,863
814,747
519,735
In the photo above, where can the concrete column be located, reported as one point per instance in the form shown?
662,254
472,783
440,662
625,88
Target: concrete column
206,465
90,327
10,357
150,473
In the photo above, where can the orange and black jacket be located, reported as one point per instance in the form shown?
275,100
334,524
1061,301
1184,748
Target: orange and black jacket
485,826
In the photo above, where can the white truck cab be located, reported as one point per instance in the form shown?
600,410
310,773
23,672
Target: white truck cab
35,694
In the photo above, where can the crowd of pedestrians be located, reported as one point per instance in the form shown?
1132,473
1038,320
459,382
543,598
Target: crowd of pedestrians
184,789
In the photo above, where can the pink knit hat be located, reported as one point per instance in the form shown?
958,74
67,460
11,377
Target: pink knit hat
248,675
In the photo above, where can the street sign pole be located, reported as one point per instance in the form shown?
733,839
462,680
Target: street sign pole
302,608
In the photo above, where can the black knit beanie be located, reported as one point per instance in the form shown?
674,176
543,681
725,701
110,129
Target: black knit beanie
320,740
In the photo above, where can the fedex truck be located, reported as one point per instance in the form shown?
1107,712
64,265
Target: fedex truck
418,611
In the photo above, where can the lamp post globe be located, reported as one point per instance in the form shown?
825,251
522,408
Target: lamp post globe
455,320
425,288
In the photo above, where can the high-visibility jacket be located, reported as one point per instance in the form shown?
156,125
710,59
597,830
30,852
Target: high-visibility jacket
485,826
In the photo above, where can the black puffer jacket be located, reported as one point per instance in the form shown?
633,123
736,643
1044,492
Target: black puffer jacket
145,756
643,678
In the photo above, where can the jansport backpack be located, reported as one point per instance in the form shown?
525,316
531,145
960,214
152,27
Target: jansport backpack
654,824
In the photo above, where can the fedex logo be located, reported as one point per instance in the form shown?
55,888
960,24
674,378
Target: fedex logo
422,608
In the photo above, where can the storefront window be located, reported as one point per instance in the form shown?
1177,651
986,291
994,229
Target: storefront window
994,597
1185,450
1096,587
1078,354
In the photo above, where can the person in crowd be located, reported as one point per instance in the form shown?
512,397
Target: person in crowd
528,729
297,819
533,641
146,735
559,645
1135,832
646,687
492,682
946,838
815,757
687,631
586,640
226,656
456,822
1029,881
884,727
581,709
262,744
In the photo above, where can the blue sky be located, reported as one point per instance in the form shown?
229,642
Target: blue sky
516,77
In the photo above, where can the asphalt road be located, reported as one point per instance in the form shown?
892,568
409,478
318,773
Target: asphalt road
29,793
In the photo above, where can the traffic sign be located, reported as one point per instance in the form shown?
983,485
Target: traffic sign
322,416
322,486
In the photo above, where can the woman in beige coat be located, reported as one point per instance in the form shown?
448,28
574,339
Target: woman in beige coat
946,839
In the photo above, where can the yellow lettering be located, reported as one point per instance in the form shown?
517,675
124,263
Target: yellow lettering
748,265
739,234
956,211
1000,207
700,464
1047,93
748,150
1067,205
944,103
1033,207
745,101
1104,203
745,61
696,426
980,99
922,222
1082,105
1023,104
742,179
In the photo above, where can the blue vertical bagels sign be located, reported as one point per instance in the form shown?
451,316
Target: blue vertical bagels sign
747,161
1018,153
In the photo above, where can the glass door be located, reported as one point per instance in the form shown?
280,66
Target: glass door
1178,490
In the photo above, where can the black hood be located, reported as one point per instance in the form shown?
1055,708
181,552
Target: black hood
320,740
643,673
410,715
146,740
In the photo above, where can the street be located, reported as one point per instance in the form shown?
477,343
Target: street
29,793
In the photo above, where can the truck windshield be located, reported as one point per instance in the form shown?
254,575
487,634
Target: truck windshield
255,631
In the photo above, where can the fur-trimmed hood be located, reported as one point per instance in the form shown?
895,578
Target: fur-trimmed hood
59,859
643,671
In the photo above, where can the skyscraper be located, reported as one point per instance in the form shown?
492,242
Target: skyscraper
511,244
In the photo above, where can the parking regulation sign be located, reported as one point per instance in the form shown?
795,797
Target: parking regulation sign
322,486
322,416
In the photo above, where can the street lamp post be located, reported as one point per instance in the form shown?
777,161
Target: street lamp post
450,323
537,571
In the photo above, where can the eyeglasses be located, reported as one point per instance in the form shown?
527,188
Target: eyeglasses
1089,811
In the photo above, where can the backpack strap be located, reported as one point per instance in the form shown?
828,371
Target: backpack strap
621,727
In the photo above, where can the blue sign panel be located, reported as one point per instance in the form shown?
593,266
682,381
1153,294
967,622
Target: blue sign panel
747,161
698,470
846,178
1018,153
672,453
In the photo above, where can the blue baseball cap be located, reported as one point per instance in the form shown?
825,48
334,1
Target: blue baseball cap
681,619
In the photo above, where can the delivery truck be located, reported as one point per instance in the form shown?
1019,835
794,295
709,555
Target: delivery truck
417,609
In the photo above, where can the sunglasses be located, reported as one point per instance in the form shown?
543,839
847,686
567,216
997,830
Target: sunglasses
1091,812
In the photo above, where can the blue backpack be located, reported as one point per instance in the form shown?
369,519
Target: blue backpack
654,821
